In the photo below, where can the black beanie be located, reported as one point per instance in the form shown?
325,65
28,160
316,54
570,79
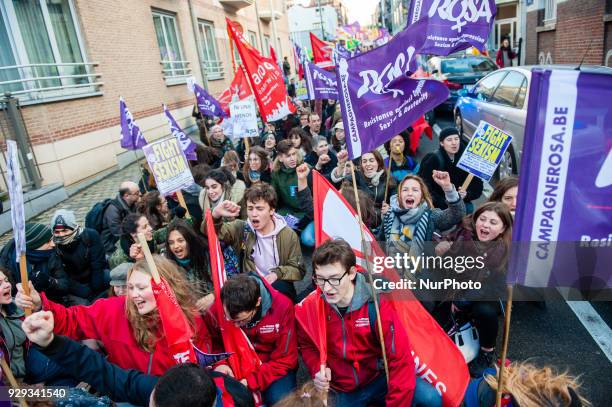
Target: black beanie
447,132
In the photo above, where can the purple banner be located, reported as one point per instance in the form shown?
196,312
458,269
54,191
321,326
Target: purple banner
207,104
320,83
378,98
131,136
187,144
563,225
453,25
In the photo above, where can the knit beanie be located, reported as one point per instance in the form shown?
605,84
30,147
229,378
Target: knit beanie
447,132
36,235
63,219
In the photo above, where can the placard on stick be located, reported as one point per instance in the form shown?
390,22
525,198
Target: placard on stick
485,151
169,165
244,119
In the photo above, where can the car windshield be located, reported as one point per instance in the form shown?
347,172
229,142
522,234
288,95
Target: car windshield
466,65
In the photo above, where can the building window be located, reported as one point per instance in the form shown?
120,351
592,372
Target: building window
213,66
42,56
174,67
550,10
266,46
253,39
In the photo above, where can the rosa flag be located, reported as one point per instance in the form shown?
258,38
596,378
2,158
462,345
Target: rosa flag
239,87
266,79
321,52
437,359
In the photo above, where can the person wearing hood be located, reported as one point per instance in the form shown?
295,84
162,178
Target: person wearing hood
83,258
264,242
44,265
220,142
268,320
353,375
445,159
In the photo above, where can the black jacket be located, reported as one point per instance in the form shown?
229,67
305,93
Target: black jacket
87,365
441,161
48,276
84,262
113,216
312,158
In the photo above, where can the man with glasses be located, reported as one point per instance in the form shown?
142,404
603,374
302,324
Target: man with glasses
268,320
354,375
124,203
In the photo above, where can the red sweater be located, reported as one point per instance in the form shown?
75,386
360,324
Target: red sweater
105,320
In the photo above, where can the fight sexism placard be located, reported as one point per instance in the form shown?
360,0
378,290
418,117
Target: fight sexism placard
484,151
169,165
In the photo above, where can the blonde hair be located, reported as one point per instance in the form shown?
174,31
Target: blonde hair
147,328
306,396
531,386
425,195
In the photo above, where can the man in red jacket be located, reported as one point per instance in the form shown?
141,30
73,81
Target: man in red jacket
268,319
354,375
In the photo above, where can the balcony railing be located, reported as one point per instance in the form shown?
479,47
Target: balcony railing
175,72
34,83
214,69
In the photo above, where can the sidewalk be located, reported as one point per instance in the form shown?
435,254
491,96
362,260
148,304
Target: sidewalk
82,201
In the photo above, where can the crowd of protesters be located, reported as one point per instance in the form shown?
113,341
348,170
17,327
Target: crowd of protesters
96,320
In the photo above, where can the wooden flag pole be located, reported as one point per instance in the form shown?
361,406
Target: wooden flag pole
369,271
181,199
389,175
23,270
500,379
140,168
149,258
13,382
467,181
247,147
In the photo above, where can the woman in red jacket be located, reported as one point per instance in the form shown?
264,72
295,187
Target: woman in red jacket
128,327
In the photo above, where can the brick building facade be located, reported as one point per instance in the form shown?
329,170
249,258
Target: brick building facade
98,50
566,31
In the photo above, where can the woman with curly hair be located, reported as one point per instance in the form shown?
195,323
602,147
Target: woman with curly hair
155,207
129,327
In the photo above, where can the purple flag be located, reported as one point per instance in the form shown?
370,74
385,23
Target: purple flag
378,98
209,359
453,25
320,83
562,231
207,104
187,144
131,136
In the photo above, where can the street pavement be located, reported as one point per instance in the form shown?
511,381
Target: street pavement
554,336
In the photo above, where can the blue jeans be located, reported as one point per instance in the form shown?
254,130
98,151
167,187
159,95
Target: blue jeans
280,388
425,395
308,235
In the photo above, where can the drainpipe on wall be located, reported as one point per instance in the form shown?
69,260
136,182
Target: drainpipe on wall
194,26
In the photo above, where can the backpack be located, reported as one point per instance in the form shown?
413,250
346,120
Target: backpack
95,217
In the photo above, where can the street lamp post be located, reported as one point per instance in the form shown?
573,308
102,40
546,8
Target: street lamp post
321,18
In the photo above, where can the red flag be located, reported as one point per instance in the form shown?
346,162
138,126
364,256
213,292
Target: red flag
310,314
418,128
273,54
437,359
175,325
244,360
239,86
266,79
321,52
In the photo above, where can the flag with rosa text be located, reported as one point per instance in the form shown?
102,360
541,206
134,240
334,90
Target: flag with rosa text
239,89
131,136
320,83
187,144
207,104
378,98
266,79
453,25
437,359
321,52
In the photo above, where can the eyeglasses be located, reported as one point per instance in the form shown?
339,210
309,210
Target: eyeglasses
334,281
244,321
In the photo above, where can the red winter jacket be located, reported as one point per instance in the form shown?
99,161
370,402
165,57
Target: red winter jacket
105,320
273,337
353,351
